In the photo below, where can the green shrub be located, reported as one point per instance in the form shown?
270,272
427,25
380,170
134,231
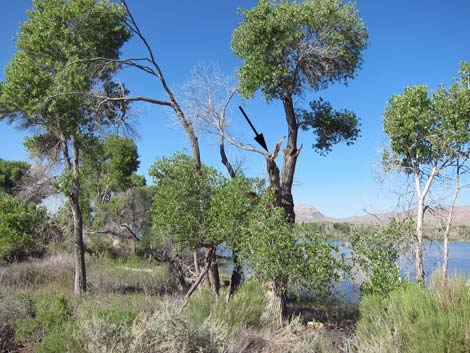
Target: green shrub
100,246
21,225
376,251
244,309
50,327
414,319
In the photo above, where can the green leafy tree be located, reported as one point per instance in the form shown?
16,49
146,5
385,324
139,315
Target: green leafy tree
179,210
22,226
48,88
376,251
109,166
11,173
428,132
228,217
288,255
289,48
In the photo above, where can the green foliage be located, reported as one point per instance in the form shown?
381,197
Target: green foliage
50,326
229,212
376,250
181,200
109,165
11,173
101,246
426,129
329,126
413,319
130,208
245,308
21,228
49,64
289,46
277,250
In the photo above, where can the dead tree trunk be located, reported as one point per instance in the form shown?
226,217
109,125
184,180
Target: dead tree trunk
202,274
214,273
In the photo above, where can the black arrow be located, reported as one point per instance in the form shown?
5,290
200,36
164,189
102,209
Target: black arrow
259,137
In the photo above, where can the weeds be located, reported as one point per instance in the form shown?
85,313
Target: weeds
415,319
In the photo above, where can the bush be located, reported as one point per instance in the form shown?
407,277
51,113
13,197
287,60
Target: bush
55,270
50,327
376,250
100,246
244,309
162,332
21,225
414,319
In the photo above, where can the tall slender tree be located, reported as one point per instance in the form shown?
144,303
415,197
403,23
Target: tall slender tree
428,132
48,85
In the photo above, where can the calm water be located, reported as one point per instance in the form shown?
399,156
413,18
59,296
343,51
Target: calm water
459,263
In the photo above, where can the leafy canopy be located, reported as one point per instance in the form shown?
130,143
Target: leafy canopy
49,79
287,253
290,46
21,225
181,200
426,128
11,173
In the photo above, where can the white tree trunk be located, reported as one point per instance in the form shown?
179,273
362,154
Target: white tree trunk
419,241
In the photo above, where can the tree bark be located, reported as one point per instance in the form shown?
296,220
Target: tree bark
214,272
277,303
290,159
202,274
419,242
72,165
236,278
445,264
421,192
237,273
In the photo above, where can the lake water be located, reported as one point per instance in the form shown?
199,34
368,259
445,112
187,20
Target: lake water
459,264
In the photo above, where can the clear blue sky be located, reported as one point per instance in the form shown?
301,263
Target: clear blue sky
411,42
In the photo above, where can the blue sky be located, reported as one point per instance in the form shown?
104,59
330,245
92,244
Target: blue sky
411,42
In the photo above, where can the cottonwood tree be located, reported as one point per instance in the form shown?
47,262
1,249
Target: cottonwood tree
206,98
182,193
428,132
11,174
291,48
109,166
149,65
228,218
288,255
48,84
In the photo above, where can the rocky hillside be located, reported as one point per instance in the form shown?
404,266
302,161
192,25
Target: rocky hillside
308,213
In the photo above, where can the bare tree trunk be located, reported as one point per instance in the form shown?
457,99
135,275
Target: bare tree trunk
237,273
290,160
72,165
236,278
421,192
445,264
419,242
277,302
214,273
196,262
